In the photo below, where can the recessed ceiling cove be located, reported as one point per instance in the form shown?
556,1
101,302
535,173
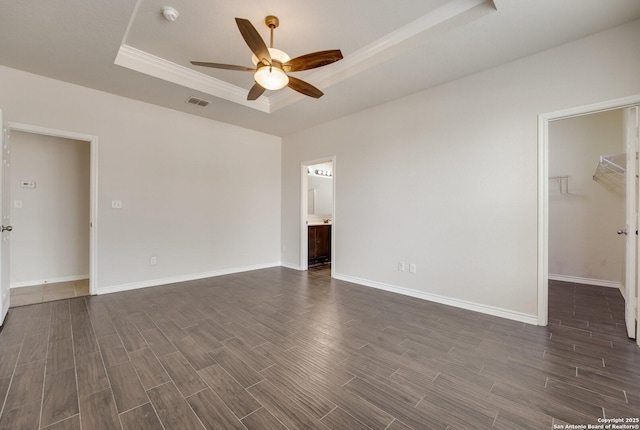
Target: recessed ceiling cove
163,48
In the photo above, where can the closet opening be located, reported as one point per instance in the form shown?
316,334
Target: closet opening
588,216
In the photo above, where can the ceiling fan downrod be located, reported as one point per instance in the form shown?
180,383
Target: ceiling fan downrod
272,22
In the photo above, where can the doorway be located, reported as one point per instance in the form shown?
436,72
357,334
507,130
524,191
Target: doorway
563,193
317,244
53,201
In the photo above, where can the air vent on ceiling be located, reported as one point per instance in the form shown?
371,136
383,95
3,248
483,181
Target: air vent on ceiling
198,102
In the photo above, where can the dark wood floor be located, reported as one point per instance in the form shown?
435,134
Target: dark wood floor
277,348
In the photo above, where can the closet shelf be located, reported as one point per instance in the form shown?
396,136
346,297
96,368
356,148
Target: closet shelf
611,169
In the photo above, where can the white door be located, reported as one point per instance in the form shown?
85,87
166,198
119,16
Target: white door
631,231
6,224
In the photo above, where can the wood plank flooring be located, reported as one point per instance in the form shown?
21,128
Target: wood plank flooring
282,349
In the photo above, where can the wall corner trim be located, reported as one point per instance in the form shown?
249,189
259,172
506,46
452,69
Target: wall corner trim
462,304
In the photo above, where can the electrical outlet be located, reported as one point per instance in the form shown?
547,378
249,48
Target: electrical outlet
401,267
116,204
17,204
412,268
153,260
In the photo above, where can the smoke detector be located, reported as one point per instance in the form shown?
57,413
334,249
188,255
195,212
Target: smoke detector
170,13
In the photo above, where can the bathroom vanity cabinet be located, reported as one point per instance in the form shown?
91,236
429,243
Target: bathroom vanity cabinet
319,244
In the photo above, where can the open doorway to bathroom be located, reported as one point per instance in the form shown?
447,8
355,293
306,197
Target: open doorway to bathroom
318,233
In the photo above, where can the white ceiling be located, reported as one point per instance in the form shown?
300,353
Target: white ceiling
392,48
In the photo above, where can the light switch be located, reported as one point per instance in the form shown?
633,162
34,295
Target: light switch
17,204
116,204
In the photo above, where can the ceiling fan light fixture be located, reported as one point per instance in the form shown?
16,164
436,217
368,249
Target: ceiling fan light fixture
271,77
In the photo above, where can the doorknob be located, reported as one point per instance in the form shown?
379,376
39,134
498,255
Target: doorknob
7,228
622,231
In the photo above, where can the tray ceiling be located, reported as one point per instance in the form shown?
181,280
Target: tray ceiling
392,48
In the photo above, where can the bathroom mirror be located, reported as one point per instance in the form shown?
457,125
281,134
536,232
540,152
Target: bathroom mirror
320,189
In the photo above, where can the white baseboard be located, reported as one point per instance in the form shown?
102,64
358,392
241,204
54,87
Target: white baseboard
182,278
463,304
47,281
587,281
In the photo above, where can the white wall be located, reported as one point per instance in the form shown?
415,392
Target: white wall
583,243
50,237
459,192
188,184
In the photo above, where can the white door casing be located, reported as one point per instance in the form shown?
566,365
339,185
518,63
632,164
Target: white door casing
632,102
5,295
92,140
631,225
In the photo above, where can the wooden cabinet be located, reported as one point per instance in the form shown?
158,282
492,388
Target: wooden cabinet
319,244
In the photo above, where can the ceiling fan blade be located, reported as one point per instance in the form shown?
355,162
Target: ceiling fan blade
253,39
313,60
223,66
304,88
256,91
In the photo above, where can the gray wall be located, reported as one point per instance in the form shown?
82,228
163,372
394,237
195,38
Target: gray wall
458,191
188,185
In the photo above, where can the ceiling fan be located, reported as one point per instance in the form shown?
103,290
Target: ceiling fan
273,65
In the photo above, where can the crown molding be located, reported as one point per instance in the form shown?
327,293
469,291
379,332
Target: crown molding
143,62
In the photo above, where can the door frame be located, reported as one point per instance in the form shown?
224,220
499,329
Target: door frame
543,188
93,188
304,196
